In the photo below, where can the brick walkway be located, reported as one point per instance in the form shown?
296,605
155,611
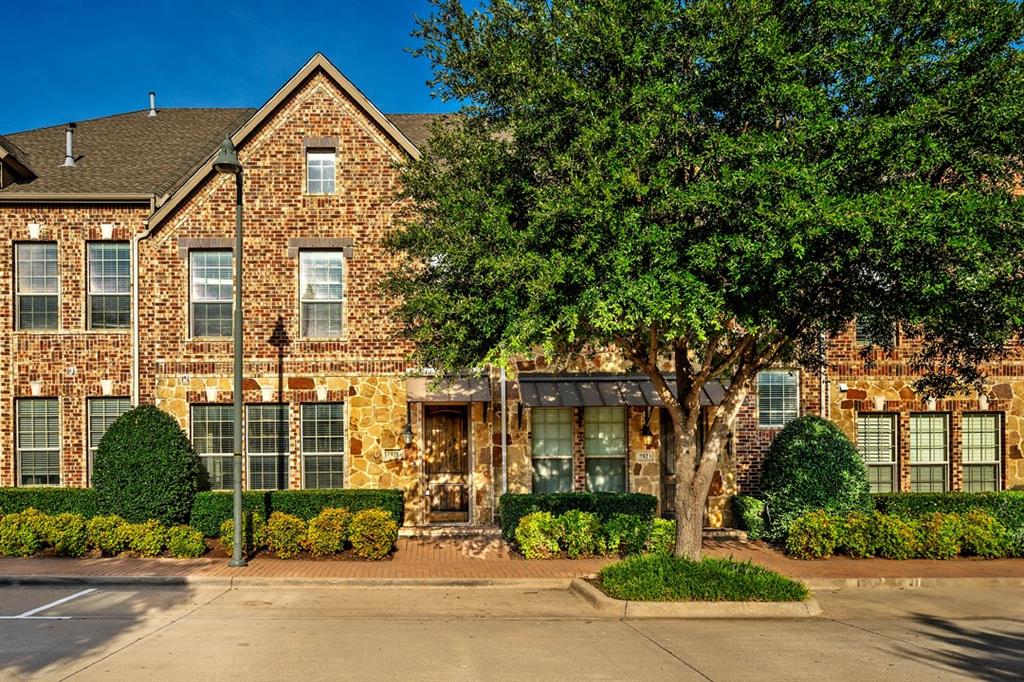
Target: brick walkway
488,558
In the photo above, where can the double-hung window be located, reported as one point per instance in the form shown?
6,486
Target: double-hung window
102,412
37,285
320,293
110,270
211,293
604,444
876,442
323,445
776,398
213,434
551,449
266,436
929,453
982,449
38,441
320,171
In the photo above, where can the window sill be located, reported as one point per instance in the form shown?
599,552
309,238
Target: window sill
69,332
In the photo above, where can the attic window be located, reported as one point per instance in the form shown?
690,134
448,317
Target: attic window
320,171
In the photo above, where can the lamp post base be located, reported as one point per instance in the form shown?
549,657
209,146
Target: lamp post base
238,563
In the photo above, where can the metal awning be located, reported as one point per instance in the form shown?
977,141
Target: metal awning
455,390
599,391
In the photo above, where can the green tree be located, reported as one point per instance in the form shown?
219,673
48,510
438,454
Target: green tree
714,187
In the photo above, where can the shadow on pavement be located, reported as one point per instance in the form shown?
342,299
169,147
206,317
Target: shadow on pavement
99,623
985,654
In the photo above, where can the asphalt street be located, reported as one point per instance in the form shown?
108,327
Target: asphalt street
492,633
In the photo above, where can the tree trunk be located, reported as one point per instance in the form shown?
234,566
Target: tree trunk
692,486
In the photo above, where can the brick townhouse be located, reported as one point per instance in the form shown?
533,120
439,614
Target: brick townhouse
118,291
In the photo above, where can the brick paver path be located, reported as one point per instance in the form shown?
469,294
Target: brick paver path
488,558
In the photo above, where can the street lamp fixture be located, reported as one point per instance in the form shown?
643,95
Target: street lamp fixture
227,162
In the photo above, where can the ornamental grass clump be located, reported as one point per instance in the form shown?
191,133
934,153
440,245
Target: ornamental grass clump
538,535
328,532
373,533
661,577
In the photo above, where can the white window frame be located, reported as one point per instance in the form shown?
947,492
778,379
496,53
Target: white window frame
560,457
590,454
194,300
871,446
126,294
785,415
90,406
996,449
19,295
305,300
318,158
917,447
226,456
19,449
306,454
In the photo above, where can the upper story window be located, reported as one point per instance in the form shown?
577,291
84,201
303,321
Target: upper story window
210,284
37,285
320,293
110,284
320,171
868,337
777,401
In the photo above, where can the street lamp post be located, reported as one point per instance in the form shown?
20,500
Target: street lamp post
227,162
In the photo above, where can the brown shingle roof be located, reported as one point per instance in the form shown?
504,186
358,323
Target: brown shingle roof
134,153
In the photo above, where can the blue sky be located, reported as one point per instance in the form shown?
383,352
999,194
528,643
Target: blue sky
68,61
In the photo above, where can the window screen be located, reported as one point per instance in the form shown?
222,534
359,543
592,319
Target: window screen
320,293
929,452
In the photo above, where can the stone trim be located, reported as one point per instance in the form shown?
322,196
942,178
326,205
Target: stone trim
186,244
345,244
321,142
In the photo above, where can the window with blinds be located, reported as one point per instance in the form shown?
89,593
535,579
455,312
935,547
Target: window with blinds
876,442
101,413
213,437
266,437
982,450
323,445
929,453
777,398
38,441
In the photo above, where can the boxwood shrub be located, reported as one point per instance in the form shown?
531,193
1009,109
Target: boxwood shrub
514,506
50,500
308,503
1006,506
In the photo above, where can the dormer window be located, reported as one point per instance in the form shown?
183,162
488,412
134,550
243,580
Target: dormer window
320,171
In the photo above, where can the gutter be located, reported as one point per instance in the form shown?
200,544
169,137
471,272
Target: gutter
72,198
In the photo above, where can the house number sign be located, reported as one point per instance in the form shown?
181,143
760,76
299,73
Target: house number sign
395,455
645,456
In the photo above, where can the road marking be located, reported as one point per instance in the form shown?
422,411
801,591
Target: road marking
30,614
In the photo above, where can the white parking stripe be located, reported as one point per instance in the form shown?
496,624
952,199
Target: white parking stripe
31,612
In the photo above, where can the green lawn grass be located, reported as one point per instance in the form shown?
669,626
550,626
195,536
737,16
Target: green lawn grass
658,577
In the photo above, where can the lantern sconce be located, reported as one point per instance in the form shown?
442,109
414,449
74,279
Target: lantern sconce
646,437
407,431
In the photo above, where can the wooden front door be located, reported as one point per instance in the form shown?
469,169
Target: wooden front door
446,464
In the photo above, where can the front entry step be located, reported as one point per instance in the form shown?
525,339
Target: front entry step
722,534
461,531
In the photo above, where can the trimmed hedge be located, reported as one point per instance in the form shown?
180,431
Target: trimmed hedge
212,508
1006,506
514,506
50,501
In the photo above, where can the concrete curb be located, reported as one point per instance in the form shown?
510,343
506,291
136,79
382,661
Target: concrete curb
263,581
822,584
704,610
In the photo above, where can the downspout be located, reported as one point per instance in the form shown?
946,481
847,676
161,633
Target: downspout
504,432
136,238
822,379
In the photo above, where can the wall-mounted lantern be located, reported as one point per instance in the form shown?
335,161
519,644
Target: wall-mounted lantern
646,436
407,431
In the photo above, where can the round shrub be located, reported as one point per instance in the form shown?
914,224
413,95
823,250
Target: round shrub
20,534
106,534
145,468
581,533
328,532
627,534
662,539
145,539
285,535
984,536
254,533
812,465
67,534
940,535
895,538
373,533
538,534
185,542
857,535
813,536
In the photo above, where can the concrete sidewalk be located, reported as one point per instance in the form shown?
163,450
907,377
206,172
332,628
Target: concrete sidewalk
488,559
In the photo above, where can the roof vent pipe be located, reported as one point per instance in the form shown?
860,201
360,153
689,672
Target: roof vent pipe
152,104
69,155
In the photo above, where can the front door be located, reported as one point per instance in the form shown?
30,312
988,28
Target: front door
446,464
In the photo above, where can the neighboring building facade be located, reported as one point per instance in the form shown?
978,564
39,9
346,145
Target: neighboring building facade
119,291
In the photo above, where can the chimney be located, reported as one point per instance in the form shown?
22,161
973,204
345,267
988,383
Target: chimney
152,104
69,154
